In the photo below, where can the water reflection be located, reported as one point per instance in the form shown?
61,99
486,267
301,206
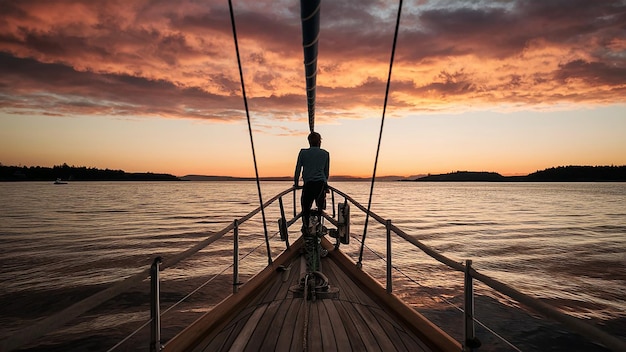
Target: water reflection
561,242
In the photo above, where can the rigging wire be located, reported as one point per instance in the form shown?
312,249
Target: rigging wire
245,102
380,134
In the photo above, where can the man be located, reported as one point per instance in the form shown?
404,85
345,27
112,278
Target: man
314,163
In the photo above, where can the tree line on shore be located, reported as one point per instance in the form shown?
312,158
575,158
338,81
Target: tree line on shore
76,173
82,173
553,174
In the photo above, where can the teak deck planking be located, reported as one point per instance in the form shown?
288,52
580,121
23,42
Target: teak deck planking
274,321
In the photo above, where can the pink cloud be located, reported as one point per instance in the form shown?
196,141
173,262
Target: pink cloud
176,59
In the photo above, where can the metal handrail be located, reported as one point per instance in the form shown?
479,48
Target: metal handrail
575,324
55,321
155,306
32,332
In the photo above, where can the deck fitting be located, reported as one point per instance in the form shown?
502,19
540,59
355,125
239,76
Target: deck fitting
329,293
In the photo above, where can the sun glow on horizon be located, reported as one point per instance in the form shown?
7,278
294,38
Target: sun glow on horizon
511,88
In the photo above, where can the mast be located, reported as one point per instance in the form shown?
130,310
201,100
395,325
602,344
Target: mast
310,14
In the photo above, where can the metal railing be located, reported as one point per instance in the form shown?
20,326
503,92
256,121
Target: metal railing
51,323
548,311
155,333
55,321
155,306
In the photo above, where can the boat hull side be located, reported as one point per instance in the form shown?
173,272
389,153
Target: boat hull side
214,319
435,337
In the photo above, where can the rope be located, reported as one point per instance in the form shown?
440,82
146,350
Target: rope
380,134
245,102
306,313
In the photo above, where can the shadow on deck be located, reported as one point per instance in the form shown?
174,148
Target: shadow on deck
265,316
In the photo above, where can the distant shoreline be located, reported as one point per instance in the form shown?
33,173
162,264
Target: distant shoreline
555,174
81,174
286,178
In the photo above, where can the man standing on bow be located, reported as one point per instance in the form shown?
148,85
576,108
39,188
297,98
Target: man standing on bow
314,162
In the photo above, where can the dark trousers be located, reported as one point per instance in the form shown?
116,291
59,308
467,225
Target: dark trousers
312,191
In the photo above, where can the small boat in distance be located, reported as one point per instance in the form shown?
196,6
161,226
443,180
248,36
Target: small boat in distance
59,182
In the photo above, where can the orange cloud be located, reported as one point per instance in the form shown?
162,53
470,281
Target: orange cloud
177,59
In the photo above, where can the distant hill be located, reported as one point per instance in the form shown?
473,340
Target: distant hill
338,178
82,173
230,178
74,173
555,174
461,176
580,174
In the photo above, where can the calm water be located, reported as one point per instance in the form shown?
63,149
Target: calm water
562,242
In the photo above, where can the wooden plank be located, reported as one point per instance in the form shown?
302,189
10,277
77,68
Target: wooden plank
294,270
216,318
431,334
395,337
398,333
326,328
217,342
353,334
231,332
374,326
264,323
244,335
350,291
286,335
362,330
393,331
390,320
302,266
365,318
342,282
339,330
412,342
277,326
262,326
269,293
298,327
234,328
314,333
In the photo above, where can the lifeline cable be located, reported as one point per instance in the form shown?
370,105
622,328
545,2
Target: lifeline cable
245,102
443,298
380,134
184,298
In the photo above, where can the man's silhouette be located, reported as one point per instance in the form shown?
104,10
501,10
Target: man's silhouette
314,162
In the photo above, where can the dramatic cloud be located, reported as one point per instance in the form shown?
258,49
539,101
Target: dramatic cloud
176,59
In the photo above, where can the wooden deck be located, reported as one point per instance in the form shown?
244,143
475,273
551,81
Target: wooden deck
273,320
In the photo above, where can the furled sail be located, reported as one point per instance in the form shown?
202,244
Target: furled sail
310,14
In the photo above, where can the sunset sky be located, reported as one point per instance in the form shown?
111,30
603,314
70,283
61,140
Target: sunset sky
505,86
